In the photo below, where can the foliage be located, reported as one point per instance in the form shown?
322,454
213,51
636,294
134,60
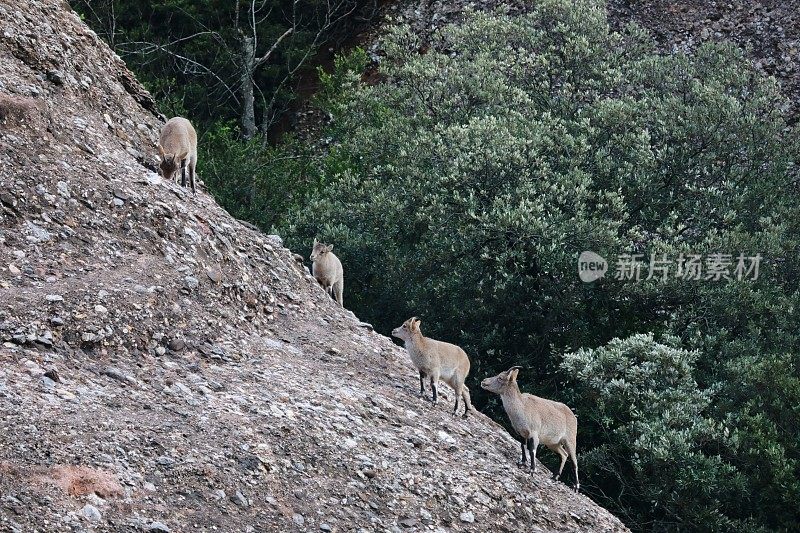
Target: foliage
659,453
256,183
346,74
463,186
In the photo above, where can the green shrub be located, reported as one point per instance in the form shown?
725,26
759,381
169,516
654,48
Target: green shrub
257,183
640,399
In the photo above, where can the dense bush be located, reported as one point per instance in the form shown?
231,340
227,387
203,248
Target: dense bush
463,187
658,445
253,182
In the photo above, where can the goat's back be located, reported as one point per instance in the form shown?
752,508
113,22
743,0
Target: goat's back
452,358
178,136
555,419
328,267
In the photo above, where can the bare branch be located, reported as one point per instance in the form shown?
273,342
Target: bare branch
263,59
147,48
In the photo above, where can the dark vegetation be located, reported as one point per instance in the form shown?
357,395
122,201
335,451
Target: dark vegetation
462,188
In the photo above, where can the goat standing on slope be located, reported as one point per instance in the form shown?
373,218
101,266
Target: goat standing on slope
177,147
436,359
327,270
537,420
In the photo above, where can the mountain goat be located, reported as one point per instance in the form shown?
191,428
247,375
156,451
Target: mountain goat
327,270
436,360
537,420
177,147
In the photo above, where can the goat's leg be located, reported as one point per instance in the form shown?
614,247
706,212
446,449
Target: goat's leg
570,446
467,400
192,165
533,443
338,290
559,449
435,387
524,460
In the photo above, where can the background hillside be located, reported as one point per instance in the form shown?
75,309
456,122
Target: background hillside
165,367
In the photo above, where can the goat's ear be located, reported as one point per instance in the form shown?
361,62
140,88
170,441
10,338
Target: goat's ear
329,248
512,374
161,151
415,322
315,241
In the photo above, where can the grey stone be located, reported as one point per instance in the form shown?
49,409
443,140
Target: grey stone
117,374
165,460
176,344
56,76
240,499
36,233
91,513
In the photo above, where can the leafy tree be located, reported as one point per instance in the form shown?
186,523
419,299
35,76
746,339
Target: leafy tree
256,183
640,399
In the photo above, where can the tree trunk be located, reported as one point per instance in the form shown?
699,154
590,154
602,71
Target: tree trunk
248,98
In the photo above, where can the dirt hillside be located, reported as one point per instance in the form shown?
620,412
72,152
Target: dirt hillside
164,367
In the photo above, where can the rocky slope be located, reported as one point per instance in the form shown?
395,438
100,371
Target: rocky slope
165,367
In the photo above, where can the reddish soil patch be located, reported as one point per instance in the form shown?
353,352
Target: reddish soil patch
82,481
73,480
